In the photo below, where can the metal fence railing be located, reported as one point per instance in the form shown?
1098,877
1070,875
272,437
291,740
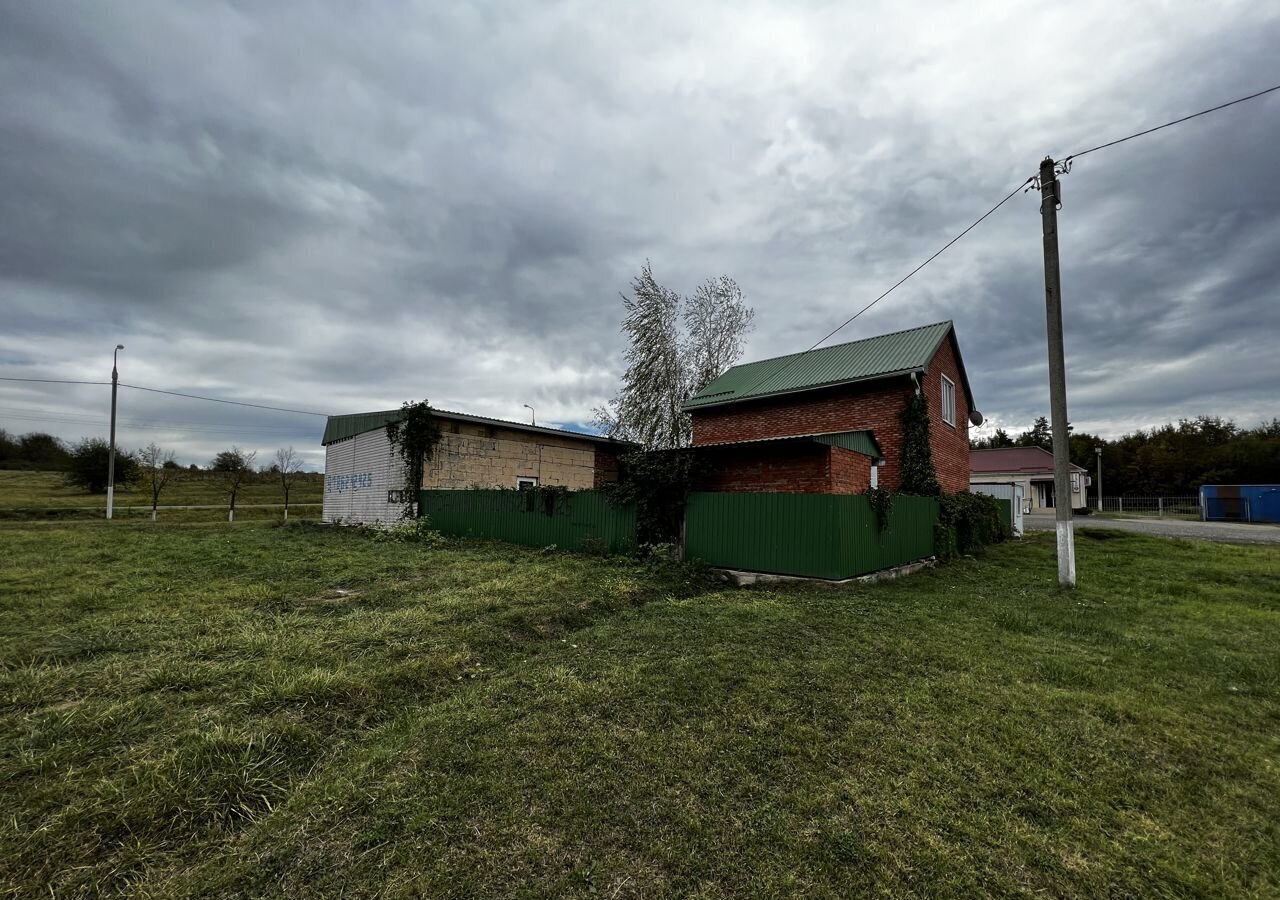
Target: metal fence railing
1171,506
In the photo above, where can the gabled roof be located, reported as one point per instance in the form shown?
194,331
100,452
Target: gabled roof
1013,460
338,428
881,356
863,442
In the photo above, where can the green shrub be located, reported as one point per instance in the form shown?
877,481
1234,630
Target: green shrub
975,519
944,541
414,531
88,464
658,482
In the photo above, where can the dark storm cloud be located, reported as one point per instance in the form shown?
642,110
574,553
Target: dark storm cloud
299,205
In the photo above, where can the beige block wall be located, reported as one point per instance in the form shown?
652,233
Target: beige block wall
477,456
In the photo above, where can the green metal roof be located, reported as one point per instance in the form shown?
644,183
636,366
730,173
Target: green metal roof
338,428
874,357
863,442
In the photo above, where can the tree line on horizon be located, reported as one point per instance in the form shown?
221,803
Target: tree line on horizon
85,464
1172,459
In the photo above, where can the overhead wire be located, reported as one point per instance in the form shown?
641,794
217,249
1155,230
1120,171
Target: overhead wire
972,225
1067,159
789,359
1170,124
138,387
71,418
303,412
51,380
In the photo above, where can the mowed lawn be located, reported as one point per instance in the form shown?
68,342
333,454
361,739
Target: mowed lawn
268,711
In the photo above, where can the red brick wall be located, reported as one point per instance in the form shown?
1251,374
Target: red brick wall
950,444
796,469
850,472
606,465
874,406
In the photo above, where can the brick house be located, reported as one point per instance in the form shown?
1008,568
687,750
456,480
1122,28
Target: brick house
829,421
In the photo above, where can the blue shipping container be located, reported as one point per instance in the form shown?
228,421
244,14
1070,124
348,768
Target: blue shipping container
1240,502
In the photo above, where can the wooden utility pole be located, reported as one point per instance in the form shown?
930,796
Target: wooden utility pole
1050,199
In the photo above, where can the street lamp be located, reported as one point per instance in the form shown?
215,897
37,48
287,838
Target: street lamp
1098,450
111,453
533,416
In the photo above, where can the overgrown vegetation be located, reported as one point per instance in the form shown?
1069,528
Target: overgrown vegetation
410,531
658,482
882,505
414,436
299,711
918,475
548,498
968,522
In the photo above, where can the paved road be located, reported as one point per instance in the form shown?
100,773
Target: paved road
1233,532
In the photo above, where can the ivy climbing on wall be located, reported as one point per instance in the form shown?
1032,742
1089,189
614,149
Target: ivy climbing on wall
918,474
414,436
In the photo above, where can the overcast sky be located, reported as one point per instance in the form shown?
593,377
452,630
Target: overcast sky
297,204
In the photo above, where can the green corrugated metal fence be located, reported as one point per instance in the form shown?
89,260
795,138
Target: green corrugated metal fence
577,517
818,535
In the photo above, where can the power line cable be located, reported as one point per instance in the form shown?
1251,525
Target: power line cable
1006,199
66,418
1203,112
974,224
51,380
128,427
303,412
138,387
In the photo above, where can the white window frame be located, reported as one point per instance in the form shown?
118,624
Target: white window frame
530,480
948,415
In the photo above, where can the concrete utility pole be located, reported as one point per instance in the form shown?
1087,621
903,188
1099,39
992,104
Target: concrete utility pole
1050,198
111,454
1099,451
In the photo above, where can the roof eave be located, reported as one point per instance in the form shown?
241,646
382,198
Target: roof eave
802,390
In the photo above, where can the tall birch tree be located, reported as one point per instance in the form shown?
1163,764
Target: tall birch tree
675,347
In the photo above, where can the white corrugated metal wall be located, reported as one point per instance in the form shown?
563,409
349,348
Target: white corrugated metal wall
358,474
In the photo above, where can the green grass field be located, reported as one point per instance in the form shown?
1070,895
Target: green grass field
249,711
35,496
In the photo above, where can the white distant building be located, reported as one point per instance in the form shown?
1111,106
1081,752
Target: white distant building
1030,467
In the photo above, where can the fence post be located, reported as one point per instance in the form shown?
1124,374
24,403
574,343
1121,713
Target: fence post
1121,504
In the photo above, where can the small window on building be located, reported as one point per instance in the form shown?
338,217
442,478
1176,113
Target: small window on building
526,483
948,401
